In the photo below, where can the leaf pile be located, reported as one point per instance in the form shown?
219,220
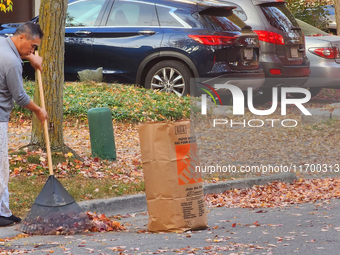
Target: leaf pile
277,194
55,223
101,223
63,224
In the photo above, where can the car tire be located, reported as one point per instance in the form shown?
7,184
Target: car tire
313,91
169,76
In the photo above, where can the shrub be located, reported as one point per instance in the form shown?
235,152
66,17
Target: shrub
127,103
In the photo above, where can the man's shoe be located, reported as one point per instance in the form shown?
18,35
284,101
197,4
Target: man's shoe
12,218
4,222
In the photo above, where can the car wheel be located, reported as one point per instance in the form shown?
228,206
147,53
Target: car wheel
169,76
313,91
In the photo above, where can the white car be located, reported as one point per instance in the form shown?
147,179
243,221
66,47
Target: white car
324,55
331,18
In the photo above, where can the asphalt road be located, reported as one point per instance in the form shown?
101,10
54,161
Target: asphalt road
304,229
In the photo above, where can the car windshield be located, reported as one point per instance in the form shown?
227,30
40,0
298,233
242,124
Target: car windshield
309,30
279,16
330,9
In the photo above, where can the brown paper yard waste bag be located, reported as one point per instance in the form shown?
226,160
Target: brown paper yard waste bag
174,191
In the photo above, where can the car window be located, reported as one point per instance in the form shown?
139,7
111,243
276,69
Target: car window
166,17
220,19
132,14
83,13
309,30
279,16
238,11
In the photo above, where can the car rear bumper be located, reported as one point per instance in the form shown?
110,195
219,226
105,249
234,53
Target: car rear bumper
326,74
291,76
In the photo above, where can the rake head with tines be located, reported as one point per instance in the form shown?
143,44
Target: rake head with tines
55,212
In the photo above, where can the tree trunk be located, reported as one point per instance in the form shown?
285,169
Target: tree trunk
52,21
337,15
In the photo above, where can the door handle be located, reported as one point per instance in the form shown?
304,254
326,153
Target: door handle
146,32
82,32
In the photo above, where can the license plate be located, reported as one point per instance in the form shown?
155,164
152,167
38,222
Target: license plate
294,52
248,54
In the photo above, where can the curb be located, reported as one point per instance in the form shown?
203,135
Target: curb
116,205
248,183
321,114
137,203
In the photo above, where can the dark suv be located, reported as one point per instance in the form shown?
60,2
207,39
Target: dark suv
282,57
159,44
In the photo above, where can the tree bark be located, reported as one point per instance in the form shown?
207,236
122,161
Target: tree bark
52,21
337,14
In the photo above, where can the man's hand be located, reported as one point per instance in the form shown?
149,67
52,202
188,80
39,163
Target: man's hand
35,61
38,111
41,115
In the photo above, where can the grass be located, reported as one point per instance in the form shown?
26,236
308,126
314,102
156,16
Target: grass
24,190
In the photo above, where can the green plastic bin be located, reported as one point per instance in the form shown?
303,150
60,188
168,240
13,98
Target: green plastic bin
101,133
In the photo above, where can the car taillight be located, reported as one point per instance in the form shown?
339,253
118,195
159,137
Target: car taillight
275,71
304,38
330,52
270,37
213,39
315,35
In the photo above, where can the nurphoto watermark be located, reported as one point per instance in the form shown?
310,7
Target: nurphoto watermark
238,103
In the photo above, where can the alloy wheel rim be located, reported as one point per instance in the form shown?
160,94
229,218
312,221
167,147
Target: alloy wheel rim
170,80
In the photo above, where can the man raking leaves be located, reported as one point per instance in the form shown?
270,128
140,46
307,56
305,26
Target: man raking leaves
13,49
54,211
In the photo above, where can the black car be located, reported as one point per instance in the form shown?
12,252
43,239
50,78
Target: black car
159,44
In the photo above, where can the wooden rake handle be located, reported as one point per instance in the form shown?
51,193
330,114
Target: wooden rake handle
47,138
